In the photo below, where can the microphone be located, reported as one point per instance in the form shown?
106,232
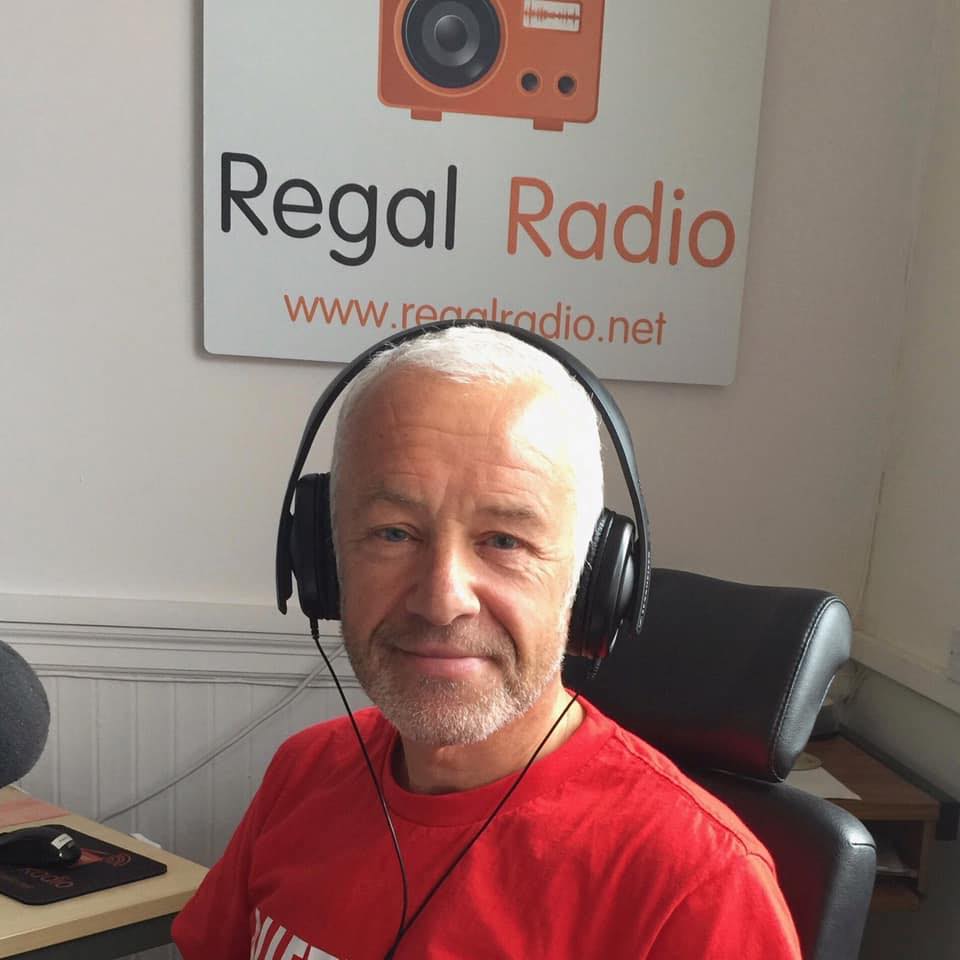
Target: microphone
24,716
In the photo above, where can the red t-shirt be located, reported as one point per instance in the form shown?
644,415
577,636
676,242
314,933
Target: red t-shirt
604,850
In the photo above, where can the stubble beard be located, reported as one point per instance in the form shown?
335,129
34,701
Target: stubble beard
442,711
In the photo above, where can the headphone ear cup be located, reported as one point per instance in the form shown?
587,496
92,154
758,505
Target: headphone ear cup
606,589
311,549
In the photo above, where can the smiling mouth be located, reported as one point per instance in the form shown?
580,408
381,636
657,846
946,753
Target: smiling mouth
443,663
440,653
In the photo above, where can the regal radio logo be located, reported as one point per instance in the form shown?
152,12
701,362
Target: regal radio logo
532,59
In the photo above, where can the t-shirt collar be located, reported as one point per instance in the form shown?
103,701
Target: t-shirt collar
468,806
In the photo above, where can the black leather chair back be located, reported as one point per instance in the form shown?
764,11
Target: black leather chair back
727,679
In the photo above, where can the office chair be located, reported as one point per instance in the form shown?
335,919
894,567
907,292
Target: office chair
727,680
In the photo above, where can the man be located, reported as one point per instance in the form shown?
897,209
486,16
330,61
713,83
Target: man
465,486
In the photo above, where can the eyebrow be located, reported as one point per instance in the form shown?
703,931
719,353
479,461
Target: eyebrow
500,511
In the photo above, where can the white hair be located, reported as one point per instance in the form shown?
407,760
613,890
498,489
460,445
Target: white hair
478,354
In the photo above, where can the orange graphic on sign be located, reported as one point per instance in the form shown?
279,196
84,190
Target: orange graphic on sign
536,59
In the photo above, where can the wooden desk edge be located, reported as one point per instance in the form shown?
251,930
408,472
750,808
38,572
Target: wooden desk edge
914,805
886,798
118,906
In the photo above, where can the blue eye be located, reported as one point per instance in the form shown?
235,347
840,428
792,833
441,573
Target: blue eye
503,541
393,535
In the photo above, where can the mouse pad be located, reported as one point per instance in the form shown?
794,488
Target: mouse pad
101,865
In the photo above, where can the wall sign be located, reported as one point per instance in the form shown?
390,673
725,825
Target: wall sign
580,168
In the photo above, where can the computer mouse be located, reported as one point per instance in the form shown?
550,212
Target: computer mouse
43,846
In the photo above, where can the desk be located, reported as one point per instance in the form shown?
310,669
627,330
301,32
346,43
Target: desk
107,924
891,809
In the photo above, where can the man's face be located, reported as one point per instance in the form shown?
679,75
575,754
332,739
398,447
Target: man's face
455,518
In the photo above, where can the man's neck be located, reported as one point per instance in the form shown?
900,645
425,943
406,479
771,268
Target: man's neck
422,768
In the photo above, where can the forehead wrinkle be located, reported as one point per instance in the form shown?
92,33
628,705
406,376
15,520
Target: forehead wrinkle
512,514
513,442
521,417
490,452
381,492
416,441
510,506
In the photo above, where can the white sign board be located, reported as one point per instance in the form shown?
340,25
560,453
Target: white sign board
582,169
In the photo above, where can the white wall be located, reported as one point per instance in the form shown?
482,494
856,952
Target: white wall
144,477
912,602
912,598
136,466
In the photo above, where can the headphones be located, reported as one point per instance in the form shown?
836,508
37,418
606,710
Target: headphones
614,583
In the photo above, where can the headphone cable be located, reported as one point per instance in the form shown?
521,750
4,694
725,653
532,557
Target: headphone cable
390,953
404,924
315,633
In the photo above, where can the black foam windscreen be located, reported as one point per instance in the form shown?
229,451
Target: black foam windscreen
24,716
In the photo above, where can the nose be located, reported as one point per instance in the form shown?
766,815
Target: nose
445,588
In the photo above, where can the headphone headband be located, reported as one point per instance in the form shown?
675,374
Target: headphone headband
603,403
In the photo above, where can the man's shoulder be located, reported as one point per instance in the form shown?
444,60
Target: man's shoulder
702,866
653,796
332,733
331,739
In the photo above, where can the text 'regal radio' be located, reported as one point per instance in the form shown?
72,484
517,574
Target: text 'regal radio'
538,59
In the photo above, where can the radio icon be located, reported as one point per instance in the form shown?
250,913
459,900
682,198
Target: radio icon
534,59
